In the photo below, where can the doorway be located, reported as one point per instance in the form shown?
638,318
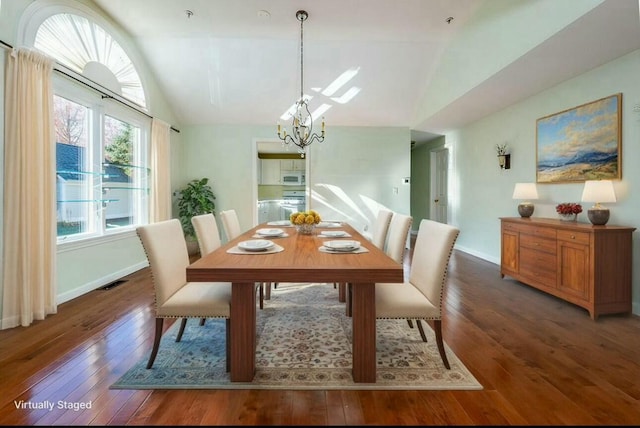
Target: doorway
439,183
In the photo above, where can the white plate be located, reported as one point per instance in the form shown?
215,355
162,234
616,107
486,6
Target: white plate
342,245
333,233
255,245
329,224
279,223
270,232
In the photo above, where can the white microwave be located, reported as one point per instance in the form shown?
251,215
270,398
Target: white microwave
292,178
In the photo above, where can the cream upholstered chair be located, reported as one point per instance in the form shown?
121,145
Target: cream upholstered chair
166,250
207,233
378,233
208,237
381,227
230,224
421,297
397,235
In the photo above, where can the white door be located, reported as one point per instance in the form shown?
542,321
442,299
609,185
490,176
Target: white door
439,174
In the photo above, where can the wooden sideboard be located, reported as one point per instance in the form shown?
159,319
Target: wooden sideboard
584,264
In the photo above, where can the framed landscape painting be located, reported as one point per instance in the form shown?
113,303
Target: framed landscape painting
581,143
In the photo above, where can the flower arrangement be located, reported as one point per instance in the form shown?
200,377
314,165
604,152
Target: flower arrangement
568,208
305,217
305,221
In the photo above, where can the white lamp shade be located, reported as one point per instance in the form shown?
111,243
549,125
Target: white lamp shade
525,191
598,191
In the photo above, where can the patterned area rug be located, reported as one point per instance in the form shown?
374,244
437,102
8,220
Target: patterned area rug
304,342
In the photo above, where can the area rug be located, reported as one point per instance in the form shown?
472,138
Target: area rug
303,342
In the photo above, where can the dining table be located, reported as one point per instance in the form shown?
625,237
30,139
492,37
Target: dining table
297,257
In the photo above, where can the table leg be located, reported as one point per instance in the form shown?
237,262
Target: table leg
364,332
243,331
342,287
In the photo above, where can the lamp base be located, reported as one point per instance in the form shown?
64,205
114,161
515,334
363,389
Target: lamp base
525,209
598,217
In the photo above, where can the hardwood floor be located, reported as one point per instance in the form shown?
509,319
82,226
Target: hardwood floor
542,361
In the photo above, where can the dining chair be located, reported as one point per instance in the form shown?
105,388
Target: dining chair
378,236
232,230
208,237
381,227
166,251
422,296
396,245
230,224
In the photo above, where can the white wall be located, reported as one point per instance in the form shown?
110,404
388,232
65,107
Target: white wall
361,165
481,191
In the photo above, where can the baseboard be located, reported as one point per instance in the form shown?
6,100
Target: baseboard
100,282
480,255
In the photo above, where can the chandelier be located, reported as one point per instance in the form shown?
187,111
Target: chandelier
302,133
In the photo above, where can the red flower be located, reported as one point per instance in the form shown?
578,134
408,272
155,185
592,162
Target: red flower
568,208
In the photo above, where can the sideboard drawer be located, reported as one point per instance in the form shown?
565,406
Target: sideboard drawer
572,236
538,243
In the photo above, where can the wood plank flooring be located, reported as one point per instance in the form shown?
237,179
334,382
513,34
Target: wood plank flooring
542,361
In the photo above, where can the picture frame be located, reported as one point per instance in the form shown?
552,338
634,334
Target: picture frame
581,143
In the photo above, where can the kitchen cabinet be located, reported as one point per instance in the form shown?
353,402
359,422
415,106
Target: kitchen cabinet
587,265
270,173
292,164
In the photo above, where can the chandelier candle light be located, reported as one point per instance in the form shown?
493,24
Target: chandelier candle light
302,120
525,191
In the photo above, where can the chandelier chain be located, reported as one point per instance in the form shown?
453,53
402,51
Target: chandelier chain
302,133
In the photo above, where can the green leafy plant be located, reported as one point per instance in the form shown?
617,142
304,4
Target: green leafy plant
194,199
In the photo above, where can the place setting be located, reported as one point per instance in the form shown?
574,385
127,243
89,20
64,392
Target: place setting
329,224
270,233
285,223
255,246
342,246
334,234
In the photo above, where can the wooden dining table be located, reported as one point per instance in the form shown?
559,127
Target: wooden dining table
301,260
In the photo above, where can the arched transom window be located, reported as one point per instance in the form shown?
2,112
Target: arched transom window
86,48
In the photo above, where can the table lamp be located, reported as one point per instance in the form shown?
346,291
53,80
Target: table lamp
525,191
598,191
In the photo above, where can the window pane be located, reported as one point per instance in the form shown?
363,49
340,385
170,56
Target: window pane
124,178
74,178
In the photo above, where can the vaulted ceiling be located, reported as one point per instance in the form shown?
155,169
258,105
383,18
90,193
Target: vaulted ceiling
238,62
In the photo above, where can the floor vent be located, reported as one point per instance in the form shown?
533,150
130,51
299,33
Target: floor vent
113,284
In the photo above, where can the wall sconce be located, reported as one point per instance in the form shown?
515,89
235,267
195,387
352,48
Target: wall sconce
598,191
504,158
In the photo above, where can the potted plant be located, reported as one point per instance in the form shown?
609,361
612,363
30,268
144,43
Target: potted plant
194,199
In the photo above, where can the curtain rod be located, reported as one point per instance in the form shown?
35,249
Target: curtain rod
94,85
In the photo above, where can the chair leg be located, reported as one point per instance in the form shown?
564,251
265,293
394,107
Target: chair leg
183,324
261,293
349,298
410,322
424,337
227,344
437,327
156,342
202,320
267,290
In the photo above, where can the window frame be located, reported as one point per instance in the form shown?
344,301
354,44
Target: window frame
100,107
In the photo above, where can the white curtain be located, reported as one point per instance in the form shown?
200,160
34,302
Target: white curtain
29,260
160,206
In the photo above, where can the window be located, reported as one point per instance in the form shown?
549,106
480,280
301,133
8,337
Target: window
101,145
101,163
